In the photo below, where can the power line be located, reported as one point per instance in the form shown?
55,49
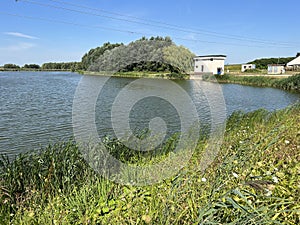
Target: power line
165,26
124,31
164,23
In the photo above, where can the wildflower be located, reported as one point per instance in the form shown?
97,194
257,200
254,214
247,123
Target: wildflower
268,173
275,179
235,174
146,218
286,142
203,179
268,192
31,214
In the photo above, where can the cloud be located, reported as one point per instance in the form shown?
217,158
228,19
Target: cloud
17,34
18,47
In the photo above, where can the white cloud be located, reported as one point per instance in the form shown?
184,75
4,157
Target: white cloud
18,47
17,34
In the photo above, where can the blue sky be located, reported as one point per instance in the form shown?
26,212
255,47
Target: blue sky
38,31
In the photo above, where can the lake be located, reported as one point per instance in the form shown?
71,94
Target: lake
36,107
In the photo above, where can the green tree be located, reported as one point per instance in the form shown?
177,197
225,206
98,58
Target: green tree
89,58
180,57
11,66
31,66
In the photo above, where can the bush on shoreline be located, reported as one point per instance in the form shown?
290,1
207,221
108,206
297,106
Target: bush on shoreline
290,84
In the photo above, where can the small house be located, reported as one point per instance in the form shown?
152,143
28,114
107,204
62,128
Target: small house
209,64
276,69
294,64
248,67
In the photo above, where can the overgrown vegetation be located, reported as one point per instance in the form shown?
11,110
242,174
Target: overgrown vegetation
89,58
70,66
291,83
140,54
253,180
263,63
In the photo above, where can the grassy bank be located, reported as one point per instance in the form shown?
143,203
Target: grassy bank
137,74
253,180
291,83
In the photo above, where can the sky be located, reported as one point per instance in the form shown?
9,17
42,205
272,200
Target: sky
39,31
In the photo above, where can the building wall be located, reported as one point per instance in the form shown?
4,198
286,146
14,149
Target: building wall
247,67
274,69
209,65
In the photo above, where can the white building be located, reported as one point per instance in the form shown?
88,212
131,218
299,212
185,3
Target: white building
247,67
276,69
295,63
209,64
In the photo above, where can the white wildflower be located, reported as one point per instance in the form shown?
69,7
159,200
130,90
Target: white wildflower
203,179
235,174
268,173
268,193
287,142
275,179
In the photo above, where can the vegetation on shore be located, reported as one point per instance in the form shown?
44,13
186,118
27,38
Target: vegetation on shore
291,83
264,62
253,180
51,66
154,55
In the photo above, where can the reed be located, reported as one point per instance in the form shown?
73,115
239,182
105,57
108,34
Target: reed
253,180
290,84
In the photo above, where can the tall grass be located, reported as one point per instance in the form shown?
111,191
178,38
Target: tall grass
253,180
291,83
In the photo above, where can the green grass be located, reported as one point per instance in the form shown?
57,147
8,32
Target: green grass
233,67
253,180
290,84
146,74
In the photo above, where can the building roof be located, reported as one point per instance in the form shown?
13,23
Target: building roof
204,56
295,61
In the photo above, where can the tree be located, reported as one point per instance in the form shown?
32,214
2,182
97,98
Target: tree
11,66
89,58
31,66
180,57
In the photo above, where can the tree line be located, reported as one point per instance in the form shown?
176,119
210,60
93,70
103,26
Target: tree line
155,54
264,62
68,66
151,54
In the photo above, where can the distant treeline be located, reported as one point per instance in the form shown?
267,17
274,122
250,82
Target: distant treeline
68,66
264,62
72,66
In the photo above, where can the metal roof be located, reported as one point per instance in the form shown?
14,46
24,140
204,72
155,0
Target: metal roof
211,56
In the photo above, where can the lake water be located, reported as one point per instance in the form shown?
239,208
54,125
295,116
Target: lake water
36,107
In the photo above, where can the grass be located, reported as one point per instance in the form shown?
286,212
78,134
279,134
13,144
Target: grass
139,74
233,67
253,180
291,83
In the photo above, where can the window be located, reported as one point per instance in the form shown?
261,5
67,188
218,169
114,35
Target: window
202,68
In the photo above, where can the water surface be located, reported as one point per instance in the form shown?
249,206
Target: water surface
36,107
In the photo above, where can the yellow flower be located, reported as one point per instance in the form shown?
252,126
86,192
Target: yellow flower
146,218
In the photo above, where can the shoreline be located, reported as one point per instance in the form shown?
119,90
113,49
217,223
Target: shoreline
290,83
256,170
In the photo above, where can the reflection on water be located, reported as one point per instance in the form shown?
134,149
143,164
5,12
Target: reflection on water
36,107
